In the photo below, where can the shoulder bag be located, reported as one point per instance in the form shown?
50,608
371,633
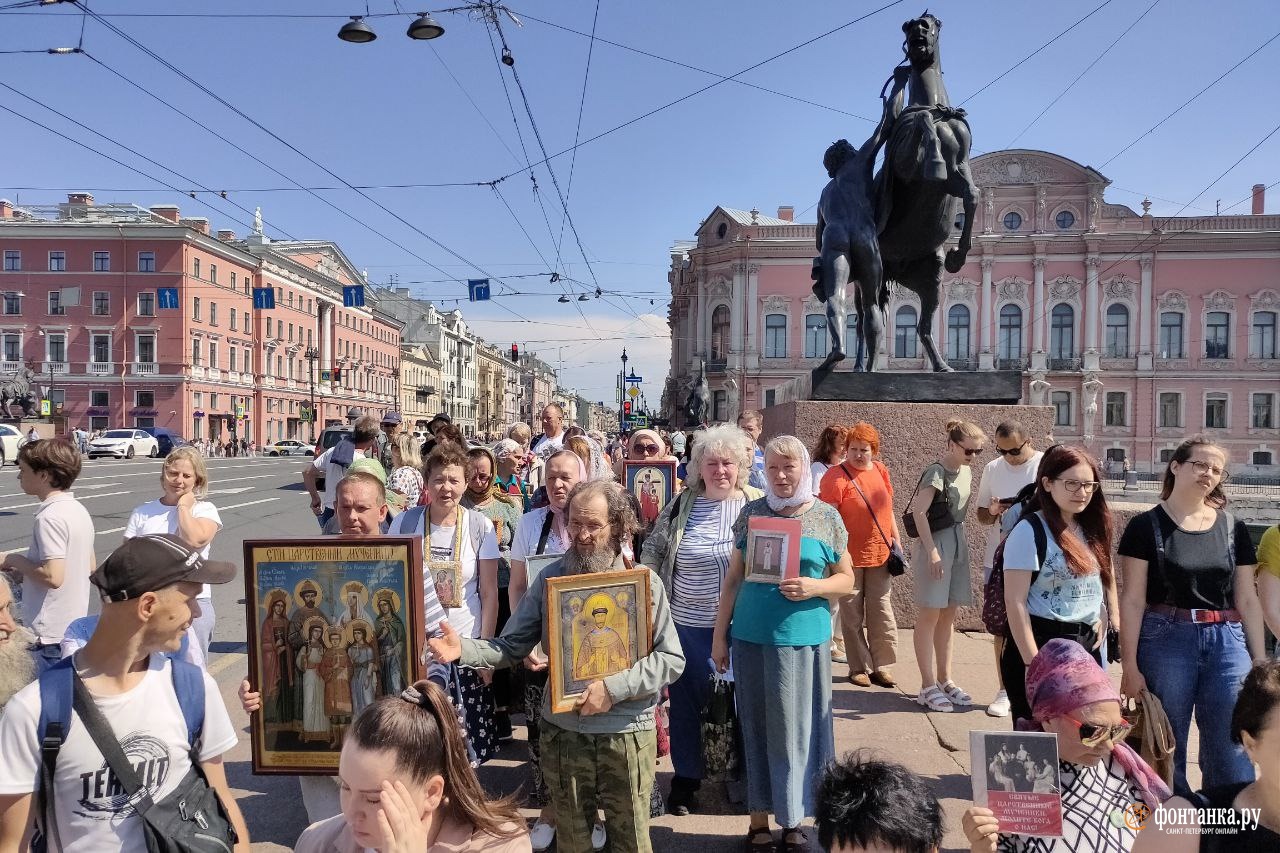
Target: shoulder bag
897,563
939,513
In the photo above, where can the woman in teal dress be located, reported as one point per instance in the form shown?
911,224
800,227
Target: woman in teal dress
780,638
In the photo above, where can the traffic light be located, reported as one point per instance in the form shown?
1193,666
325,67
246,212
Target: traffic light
337,374
626,408
515,352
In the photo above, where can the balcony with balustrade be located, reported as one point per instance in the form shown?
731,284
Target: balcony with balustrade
100,368
10,366
144,368
55,367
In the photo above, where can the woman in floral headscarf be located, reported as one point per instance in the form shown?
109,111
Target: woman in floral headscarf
781,641
1106,786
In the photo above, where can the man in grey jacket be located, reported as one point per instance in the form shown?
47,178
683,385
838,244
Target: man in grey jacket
602,752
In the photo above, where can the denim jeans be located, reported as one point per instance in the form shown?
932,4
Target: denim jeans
1198,667
689,695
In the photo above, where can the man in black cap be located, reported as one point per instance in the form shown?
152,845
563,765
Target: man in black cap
148,588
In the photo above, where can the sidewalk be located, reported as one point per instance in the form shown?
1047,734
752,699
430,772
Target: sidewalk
886,722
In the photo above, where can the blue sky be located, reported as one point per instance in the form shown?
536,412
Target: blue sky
398,111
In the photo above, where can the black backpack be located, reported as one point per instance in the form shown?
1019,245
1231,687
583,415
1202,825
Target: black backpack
995,618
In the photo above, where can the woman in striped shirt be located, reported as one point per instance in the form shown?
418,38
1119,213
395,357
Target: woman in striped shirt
689,548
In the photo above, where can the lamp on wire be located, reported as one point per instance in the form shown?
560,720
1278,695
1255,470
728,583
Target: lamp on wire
357,31
424,28
507,59
563,298
582,297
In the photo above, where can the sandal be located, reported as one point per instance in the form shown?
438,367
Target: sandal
934,699
793,841
753,844
956,695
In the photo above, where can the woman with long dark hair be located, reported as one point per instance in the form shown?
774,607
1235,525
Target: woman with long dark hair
1192,621
406,784
1057,568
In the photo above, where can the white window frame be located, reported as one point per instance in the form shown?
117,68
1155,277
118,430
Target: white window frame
1255,343
93,347
1124,408
138,303
62,260
137,347
1182,334
150,258
1272,398
1182,410
1204,334
1070,407
1225,398
49,338
101,255
93,305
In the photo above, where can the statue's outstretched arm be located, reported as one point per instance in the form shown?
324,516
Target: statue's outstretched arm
893,105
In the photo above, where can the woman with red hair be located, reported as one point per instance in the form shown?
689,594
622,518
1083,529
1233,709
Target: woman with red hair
1057,568
860,490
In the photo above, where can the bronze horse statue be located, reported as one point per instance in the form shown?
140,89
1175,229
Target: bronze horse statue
22,388
926,169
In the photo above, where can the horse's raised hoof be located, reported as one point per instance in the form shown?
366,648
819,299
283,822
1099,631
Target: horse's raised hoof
955,260
832,360
944,368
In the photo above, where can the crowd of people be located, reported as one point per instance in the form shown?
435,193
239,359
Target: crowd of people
1182,608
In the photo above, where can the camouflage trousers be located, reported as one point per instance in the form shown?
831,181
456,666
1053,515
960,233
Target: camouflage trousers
613,772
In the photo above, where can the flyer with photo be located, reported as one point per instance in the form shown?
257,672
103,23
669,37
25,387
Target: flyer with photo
1015,774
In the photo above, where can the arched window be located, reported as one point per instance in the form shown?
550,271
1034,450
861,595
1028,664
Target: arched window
1117,343
958,332
1009,346
1171,345
775,336
1062,332
1262,335
1217,335
905,339
815,336
720,333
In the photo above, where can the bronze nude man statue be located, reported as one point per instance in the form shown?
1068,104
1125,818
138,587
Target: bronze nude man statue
926,167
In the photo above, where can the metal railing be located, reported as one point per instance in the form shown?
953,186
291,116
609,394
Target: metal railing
1011,364
962,363
1064,364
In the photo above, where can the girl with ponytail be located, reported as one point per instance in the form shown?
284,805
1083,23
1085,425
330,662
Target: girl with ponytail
407,786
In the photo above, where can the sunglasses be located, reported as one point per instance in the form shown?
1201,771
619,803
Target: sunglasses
1093,734
1005,452
968,451
647,449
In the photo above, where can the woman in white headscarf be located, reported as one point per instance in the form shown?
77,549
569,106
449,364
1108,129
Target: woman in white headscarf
780,633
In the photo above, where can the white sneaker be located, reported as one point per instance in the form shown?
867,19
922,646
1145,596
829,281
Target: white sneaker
541,836
598,837
999,706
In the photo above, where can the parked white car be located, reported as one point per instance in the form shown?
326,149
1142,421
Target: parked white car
10,438
124,444
289,447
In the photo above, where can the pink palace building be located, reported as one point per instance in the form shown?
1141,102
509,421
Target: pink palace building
1138,330
86,308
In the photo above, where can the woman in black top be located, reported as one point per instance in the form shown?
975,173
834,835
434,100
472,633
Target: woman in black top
1256,725
1192,621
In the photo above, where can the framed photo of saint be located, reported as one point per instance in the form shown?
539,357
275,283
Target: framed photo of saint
773,549
333,624
653,484
597,625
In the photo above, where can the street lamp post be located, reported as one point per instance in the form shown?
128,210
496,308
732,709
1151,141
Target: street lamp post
311,355
622,394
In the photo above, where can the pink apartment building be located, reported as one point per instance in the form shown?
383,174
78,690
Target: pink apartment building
1138,330
85,306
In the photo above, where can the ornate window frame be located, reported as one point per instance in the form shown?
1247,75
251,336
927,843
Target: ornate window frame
1219,300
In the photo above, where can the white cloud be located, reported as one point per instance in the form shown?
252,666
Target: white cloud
591,359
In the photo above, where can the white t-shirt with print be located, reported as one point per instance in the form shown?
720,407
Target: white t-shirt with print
154,517
332,474
466,619
1001,480
546,445
90,807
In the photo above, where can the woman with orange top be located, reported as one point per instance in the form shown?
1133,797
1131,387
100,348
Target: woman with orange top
860,490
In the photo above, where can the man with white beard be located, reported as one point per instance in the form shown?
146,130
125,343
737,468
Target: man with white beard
17,669
603,751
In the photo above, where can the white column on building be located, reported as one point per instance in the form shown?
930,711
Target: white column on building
1147,315
326,337
1146,307
985,308
700,335
1092,297
753,317
1037,306
985,304
737,310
